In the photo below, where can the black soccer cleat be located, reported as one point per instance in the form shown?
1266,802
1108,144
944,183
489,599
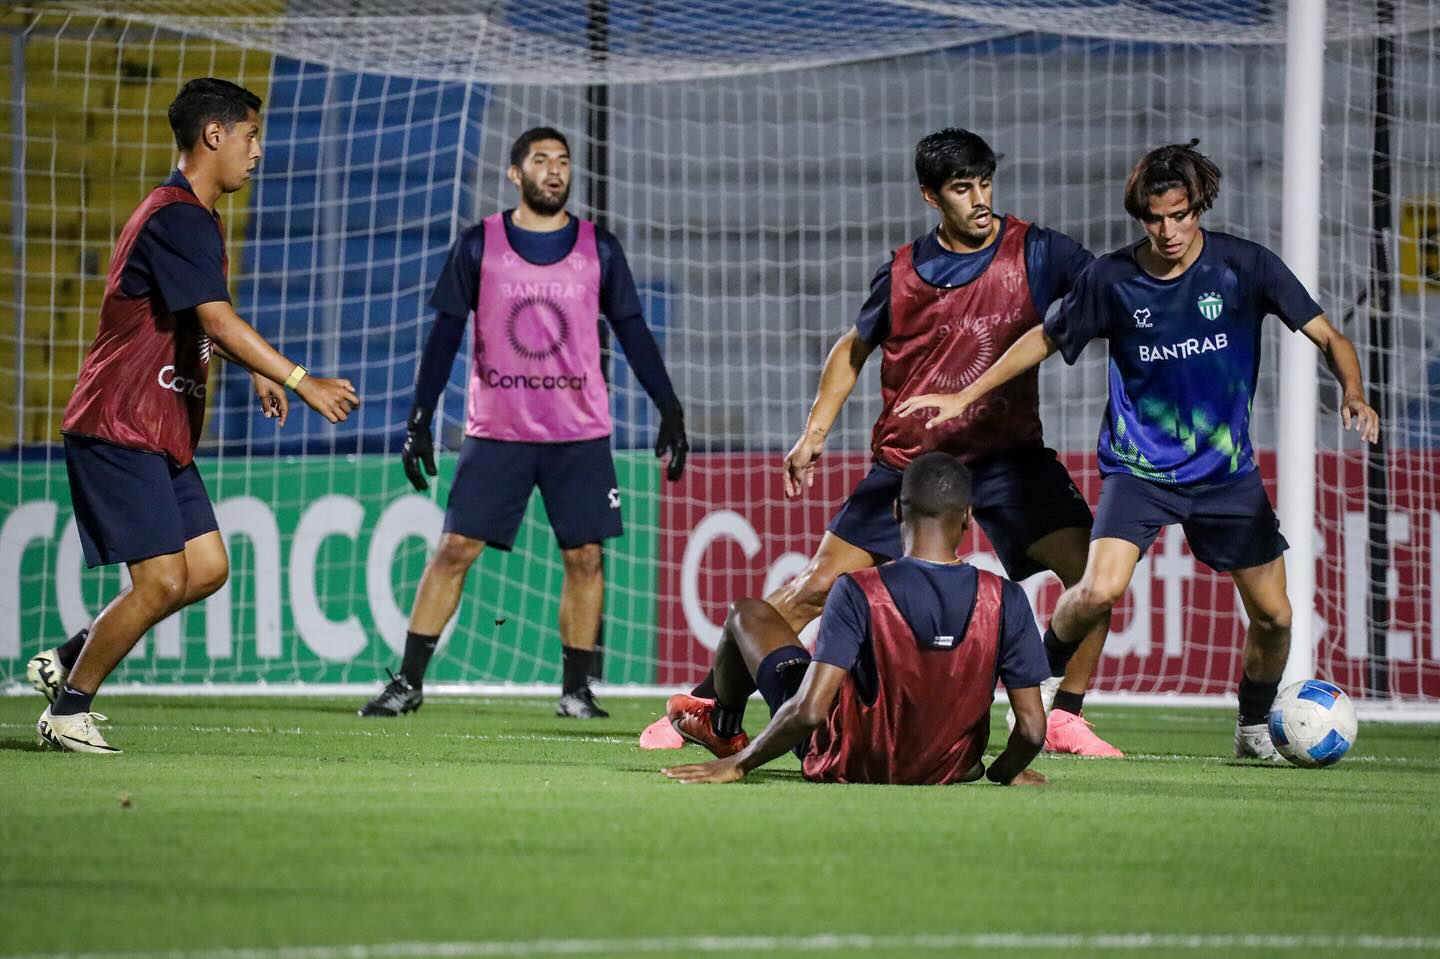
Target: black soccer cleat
580,705
396,699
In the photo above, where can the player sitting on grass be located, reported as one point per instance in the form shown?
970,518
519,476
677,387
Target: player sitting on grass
1182,311
900,686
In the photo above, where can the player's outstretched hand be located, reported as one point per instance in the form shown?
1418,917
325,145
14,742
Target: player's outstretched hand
419,448
725,770
274,402
947,406
332,399
672,440
799,466
1029,777
1361,417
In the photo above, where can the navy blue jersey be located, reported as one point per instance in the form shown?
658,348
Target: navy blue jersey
935,599
178,256
1052,260
1184,355
457,290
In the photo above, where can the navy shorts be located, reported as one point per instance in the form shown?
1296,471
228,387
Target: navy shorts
1020,498
494,479
1228,527
778,679
133,504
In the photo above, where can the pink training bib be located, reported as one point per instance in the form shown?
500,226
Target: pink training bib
536,376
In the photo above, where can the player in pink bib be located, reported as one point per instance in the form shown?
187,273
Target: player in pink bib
537,409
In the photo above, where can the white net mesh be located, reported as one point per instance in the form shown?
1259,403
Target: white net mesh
755,160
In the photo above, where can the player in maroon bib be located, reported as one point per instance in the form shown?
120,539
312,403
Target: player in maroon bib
941,311
903,675
138,408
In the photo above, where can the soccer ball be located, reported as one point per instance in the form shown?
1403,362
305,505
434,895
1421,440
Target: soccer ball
1312,723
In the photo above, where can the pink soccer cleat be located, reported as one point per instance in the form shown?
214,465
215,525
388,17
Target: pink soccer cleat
1068,733
661,735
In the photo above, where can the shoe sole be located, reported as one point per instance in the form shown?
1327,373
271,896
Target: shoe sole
699,742
33,673
379,715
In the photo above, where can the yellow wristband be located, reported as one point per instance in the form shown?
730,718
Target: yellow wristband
296,375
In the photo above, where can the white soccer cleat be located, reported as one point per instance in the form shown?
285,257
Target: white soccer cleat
1253,742
1048,689
73,734
46,674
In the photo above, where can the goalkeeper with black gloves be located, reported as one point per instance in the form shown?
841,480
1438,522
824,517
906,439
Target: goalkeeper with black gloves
536,280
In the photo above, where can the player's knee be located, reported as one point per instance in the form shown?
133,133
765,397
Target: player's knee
583,561
1102,594
747,613
1274,620
456,554
202,582
809,589
163,589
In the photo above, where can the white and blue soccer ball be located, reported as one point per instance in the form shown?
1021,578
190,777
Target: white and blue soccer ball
1312,723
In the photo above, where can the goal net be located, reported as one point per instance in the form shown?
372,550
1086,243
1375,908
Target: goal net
755,161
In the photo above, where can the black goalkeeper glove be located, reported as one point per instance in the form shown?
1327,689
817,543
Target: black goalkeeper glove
419,448
672,440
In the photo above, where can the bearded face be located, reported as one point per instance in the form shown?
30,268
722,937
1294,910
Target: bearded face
544,193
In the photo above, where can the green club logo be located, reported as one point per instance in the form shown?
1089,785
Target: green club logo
1211,304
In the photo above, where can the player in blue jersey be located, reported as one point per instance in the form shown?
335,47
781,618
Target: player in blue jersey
1182,311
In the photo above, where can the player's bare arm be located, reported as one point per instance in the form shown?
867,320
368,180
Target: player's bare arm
1011,767
1026,353
274,403
837,379
331,398
1340,356
801,715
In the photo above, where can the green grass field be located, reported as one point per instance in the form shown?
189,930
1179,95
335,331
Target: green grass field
487,827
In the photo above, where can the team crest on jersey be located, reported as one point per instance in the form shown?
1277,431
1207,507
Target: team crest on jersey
511,258
1211,305
1011,280
576,261
1142,318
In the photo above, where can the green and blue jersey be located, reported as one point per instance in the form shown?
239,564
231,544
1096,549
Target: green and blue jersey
1184,355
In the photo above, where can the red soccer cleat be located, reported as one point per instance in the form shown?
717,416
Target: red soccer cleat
1068,733
690,717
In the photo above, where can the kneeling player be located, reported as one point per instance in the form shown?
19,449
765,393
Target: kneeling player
903,675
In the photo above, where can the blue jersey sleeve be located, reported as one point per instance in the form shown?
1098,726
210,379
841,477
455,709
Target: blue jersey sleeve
458,287
180,256
1082,317
844,625
1279,291
1054,262
1021,660
873,323
620,302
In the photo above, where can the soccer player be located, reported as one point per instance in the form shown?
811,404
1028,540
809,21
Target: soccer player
941,310
537,413
1182,311
135,417
900,686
